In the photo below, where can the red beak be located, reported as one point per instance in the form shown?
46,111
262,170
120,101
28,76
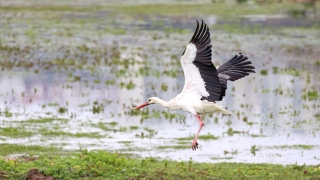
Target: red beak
141,106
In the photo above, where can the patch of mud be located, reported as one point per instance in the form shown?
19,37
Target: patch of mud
34,174
28,158
22,158
3,175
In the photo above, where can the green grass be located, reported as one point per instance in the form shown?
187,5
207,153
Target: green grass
175,147
113,123
105,165
264,72
223,9
300,146
202,137
134,127
125,142
45,120
257,135
110,82
218,8
311,95
15,132
222,158
102,127
291,71
21,132
115,31
7,149
67,134
231,132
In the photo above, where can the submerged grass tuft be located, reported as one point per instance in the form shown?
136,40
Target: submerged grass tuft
175,147
297,146
264,72
202,137
311,95
45,120
68,134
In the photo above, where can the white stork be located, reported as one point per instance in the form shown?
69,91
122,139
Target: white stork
204,84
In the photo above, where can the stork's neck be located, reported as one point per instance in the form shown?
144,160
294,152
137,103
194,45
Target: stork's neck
163,103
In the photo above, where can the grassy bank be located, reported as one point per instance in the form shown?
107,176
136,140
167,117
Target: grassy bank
105,165
177,8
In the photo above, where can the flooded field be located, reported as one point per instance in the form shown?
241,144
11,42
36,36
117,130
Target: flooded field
70,79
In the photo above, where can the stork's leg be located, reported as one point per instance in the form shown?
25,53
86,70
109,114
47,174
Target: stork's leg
194,142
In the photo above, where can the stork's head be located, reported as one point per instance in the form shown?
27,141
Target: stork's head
151,100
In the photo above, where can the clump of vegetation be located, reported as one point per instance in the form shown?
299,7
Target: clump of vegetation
130,85
50,133
6,113
45,120
110,82
134,127
291,71
297,146
202,137
253,150
113,123
102,126
62,110
97,108
257,135
175,147
311,95
164,87
264,72
265,90
231,132
15,132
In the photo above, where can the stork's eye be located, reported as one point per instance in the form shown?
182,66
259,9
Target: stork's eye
149,100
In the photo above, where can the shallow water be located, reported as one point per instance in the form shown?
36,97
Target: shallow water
92,74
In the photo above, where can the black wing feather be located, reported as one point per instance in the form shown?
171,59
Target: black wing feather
201,39
216,79
234,69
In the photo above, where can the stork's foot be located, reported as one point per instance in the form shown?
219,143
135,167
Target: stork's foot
194,145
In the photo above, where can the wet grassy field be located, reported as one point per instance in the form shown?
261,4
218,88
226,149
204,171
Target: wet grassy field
71,73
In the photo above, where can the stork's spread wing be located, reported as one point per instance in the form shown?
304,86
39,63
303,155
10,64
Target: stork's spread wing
201,77
236,68
202,80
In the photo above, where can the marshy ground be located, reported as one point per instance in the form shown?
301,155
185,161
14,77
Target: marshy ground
71,73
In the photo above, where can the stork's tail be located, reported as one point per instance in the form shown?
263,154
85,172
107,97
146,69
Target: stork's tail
211,107
224,111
